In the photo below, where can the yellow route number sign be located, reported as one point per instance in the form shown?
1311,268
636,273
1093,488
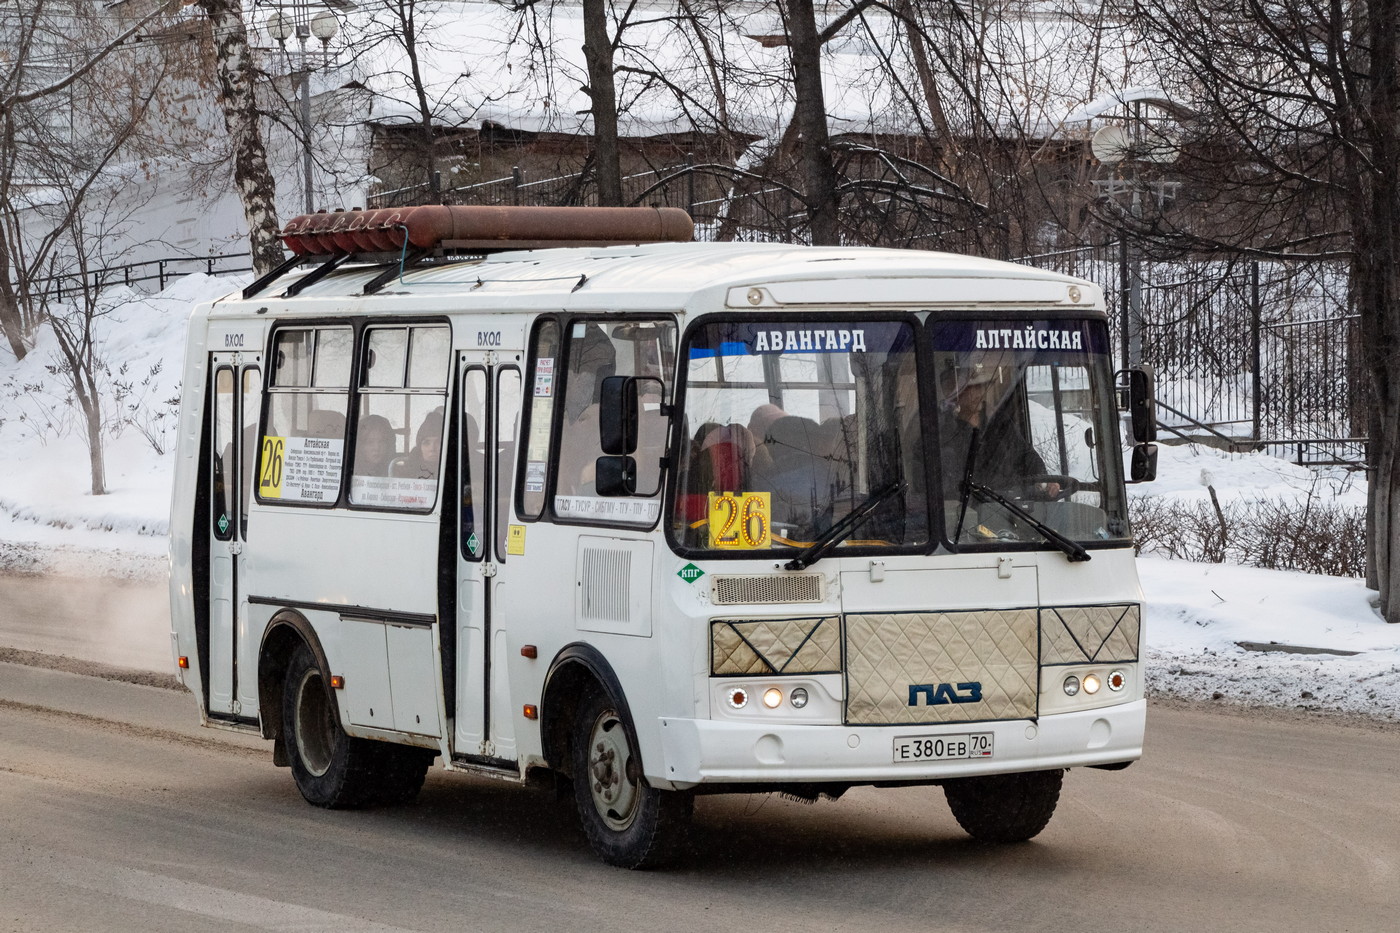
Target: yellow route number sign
274,454
740,522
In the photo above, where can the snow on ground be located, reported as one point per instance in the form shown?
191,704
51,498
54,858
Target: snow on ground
1197,614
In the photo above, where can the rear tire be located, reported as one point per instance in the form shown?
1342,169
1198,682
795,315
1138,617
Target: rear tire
628,823
1004,807
330,768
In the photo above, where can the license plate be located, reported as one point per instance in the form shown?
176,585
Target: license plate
942,747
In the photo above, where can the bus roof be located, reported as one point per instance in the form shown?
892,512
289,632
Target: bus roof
672,275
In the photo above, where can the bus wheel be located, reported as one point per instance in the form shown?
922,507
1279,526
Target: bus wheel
628,823
1004,807
401,770
331,768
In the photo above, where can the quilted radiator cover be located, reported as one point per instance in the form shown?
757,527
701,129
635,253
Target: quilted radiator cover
941,667
775,646
1089,634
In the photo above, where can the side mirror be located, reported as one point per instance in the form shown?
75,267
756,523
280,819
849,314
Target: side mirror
1144,465
617,418
1140,405
615,476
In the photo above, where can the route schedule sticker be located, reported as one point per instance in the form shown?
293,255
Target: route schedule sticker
301,469
740,522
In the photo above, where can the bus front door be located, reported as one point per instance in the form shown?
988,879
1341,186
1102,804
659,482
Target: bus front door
236,397
489,416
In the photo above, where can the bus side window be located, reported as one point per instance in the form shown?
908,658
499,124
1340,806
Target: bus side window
303,443
401,417
598,349
532,478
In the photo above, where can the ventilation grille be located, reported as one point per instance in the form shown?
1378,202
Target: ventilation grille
767,588
607,578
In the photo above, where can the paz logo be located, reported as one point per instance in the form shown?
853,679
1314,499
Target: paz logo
690,573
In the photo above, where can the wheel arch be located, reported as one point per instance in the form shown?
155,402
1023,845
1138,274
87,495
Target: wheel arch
573,669
284,633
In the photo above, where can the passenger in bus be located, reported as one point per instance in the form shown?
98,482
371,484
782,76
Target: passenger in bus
422,461
800,480
974,400
374,446
325,423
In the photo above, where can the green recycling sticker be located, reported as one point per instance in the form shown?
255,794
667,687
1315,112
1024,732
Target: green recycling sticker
690,573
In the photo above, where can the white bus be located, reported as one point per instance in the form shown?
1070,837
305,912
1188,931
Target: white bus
554,494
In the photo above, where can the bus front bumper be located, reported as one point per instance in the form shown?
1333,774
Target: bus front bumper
703,751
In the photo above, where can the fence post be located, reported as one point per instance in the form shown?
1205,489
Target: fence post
517,178
690,184
1124,301
1256,314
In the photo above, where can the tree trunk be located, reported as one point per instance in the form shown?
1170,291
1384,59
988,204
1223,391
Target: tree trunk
1376,281
407,10
598,51
933,99
256,187
10,321
809,113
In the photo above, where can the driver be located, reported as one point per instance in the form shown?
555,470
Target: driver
1005,457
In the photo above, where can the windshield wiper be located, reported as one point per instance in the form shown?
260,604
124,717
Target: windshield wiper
844,528
967,483
1073,549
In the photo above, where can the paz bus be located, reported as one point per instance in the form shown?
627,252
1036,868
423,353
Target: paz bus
558,496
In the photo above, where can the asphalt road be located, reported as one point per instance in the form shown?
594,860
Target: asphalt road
118,813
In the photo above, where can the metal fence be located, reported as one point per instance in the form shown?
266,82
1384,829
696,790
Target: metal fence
136,275
1246,353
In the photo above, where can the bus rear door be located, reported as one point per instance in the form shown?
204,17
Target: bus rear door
236,399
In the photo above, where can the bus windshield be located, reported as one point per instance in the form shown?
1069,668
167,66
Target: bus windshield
1026,413
788,428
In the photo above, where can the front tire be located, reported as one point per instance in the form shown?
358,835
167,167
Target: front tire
1004,807
332,769
628,823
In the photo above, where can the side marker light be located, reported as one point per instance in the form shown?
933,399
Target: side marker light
337,682
532,711
184,663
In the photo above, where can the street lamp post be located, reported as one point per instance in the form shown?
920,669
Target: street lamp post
304,25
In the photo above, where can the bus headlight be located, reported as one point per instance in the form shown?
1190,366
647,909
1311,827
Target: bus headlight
772,697
1071,685
1092,684
798,697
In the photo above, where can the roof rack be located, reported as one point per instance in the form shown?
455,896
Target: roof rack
403,237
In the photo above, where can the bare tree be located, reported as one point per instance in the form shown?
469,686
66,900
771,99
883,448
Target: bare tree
29,81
